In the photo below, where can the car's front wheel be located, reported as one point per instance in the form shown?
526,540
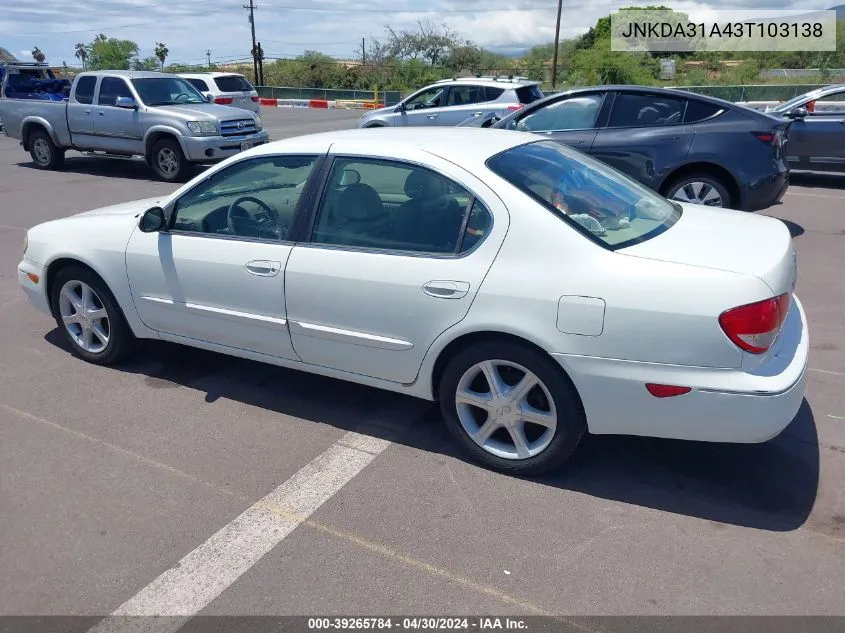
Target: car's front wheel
511,407
89,317
168,161
700,189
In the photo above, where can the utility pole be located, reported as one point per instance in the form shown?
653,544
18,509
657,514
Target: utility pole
363,51
208,57
557,43
251,8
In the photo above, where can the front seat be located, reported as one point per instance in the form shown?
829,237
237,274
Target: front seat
360,217
430,219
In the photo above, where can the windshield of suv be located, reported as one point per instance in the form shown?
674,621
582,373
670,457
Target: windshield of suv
164,91
595,198
788,105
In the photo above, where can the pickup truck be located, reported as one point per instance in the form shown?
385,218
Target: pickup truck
122,114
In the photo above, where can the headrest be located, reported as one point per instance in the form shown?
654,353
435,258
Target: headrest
422,185
359,203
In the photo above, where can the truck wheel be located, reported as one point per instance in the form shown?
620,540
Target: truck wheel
168,161
44,152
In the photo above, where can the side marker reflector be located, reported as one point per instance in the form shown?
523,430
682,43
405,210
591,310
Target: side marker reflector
666,391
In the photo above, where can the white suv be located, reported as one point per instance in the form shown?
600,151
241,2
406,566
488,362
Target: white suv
229,89
453,101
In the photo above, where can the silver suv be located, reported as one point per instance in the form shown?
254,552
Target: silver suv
453,101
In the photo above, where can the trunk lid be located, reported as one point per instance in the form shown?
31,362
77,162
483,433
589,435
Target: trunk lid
732,241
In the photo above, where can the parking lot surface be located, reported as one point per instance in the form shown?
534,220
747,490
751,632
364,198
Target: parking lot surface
346,500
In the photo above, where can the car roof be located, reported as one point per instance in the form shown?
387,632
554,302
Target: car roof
129,74
677,92
508,82
463,146
212,75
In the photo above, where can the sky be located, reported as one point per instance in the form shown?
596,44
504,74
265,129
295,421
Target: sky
286,28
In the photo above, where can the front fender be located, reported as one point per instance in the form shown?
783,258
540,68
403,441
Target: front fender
164,129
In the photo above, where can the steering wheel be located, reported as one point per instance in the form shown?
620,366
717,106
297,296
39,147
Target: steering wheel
181,94
264,224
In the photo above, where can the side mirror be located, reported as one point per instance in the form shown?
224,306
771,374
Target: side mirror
401,107
126,102
798,113
209,97
152,221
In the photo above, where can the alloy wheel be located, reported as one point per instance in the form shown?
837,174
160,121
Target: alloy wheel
84,316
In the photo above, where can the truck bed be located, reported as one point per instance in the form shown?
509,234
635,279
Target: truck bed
51,114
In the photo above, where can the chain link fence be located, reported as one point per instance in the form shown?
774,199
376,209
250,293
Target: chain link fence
767,92
389,97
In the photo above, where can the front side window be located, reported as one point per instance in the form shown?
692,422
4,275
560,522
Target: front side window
164,91
254,198
397,206
641,110
110,89
431,98
595,198
574,113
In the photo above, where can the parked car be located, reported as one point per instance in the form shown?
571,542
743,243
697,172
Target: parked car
685,146
122,114
817,133
535,292
451,101
229,89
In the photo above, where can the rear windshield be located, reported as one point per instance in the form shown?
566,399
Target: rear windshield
598,200
232,83
529,94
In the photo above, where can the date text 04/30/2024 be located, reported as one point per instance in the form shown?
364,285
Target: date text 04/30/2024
416,623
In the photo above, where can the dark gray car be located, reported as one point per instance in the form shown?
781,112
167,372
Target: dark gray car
688,147
817,134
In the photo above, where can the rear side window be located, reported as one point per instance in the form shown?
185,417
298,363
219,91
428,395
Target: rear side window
199,84
493,93
232,83
465,95
644,110
85,90
529,94
699,110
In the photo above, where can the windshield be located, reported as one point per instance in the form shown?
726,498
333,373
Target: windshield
788,105
163,91
595,198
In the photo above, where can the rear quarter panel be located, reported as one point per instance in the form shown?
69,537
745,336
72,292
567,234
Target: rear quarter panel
51,115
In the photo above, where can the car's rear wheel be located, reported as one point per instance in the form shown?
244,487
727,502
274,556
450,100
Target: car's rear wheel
511,407
89,317
44,152
168,161
700,189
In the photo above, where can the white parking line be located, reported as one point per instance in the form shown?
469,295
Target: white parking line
813,195
203,574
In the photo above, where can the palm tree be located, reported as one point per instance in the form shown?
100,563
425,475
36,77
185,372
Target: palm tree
37,55
161,53
82,53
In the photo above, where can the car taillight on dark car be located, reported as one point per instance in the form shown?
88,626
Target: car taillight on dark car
754,327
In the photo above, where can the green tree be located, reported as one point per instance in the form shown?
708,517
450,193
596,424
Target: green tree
161,52
81,53
108,53
38,56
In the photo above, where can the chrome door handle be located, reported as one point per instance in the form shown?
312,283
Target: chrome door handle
431,116
477,113
101,114
88,112
264,268
446,289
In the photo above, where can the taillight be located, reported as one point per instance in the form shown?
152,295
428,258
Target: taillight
223,100
255,99
754,327
514,108
765,137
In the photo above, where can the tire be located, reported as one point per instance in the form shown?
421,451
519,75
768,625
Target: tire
546,448
374,125
73,280
44,152
708,189
168,161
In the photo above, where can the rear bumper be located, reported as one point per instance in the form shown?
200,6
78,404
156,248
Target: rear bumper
215,148
725,405
766,192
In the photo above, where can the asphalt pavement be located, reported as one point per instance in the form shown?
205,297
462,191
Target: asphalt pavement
228,487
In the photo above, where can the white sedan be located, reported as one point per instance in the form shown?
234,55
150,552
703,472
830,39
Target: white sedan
534,292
